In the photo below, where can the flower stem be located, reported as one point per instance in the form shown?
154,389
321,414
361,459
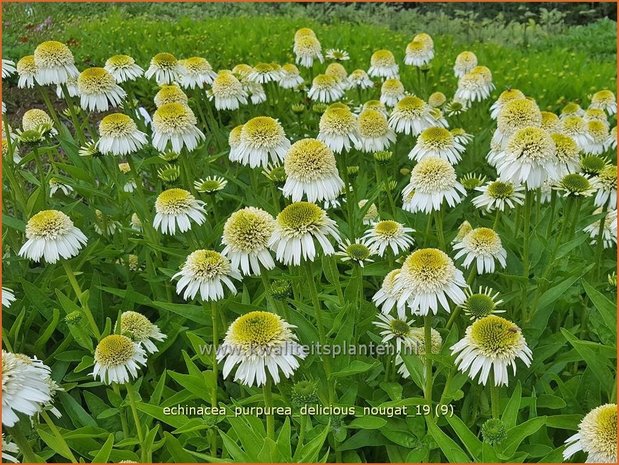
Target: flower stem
427,330
268,403
58,436
495,400
22,444
121,413
80,296
136,419
215,342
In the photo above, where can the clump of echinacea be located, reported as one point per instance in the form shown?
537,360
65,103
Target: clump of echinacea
504,97
529,158
482,247
228,91
338,128
51,235
170,93
596,436
389,234
609,229
261,141
604,100
118,359
491,344
392,91
206,272
195,72
475,86
606,181
481,304
119,135
427,278
383,64
297,228
437,142
26,386
375,134
464,63
27,71
311,172
177,208
307,49
432,181
418,53
164,68
54,63
498,195
326,89
175,124
123,68
140,329
261,344
411,115
516,114
290,77
246,238
98,90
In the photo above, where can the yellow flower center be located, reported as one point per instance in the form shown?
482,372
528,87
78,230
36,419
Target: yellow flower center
164,61
436,137
248,229
120,61
170,94
263,131
337,70
257,329
429,265
372,123
325,81
52,54
495,336
483,241
411,106
117,125
388,228
382,58
34,119
173,117
26,66
207,264
114,350
135,326
48,224
174,201
500,189
301,217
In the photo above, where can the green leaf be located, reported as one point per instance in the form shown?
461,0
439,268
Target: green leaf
568,421
103,454
367,422
591,353
607,310
470,441
519,433
448,446
510,414
174,447
356,367
54,443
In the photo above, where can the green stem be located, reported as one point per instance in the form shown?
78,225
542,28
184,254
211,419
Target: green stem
22,444
48,103
215,342
74,118
338,285
136,418
599,245
495,399
268,403
438,217
427,330
80,297
58,436
121,413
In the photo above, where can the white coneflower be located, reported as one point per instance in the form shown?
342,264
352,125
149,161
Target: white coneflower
475,86
164,68
36,119
611,142
54,63
8,68
177,206
432,181
337,54
395,330
262,141
104,225
550,122
482,303
234,141
175,123
383,64
597,436
371,213
311,172
228,91
25,386
437,99
241,71
483,247
465,62
7,297
123,68
595,114
210,184
195,72
604,100
326,89
492,344
307,49
255,91
576,127
55,185
373,105
576,185
98,90
246,238
290,77
339,72
339,129
119,135
260,343
437,142
206,271
572,109
411,115
499,194
118,359
9,451
139,329
136,223
516,114
418,53
51,235
27,71
356,252
598,133
568,154
130,185
607,185
529,158
426,279
389,233
416,345
391,92
609,229
506,96
297,226
170,93
71,89
304,32
263,73
375,134
456,107
386,298
360,79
